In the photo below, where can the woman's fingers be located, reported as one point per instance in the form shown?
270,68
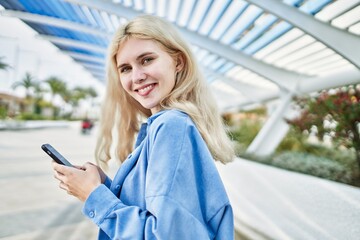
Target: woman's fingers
63,173
78,181
63,186
59,167
58,176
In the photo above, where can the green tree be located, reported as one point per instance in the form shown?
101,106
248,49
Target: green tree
57,86
38,92
84,93
335,114
28,82
91,92
74,96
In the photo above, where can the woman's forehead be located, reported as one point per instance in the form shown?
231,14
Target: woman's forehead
131,48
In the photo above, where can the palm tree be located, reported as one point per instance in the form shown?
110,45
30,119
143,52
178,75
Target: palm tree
57,86
77,94
38,92
91,92
28,82
88,92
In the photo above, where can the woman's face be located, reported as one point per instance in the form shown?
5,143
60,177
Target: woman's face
146,71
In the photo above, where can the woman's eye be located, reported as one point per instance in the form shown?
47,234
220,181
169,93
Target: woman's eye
124,69
147,60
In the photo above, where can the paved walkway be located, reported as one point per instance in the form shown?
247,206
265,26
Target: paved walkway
268,203
32,206
271,203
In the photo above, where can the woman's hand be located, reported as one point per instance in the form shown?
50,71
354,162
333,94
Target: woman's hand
79,181
101,172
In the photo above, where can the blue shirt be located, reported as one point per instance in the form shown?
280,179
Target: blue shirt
168,188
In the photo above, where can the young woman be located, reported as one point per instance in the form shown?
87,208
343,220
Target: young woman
167,186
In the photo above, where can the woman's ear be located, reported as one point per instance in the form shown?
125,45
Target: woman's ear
180,62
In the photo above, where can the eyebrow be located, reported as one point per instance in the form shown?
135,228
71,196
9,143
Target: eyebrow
137,58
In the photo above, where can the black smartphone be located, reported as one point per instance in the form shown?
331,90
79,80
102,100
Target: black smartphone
51,151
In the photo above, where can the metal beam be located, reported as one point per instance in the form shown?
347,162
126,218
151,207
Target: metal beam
330,81
344,43
315,84
274,129
94,71
98,74
74,43
109,7
253,94
85,57
223,98
41,19
94,67
284,79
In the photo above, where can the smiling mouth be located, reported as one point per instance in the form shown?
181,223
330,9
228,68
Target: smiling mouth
146,90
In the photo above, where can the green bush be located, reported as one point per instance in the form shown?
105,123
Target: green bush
30,116
345,157
313,165
296,142
296,154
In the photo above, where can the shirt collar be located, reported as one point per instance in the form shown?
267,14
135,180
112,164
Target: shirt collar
155,115
143,128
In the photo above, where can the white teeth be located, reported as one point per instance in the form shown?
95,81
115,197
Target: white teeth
145,89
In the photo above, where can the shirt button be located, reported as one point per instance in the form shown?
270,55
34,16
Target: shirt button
91,214
117,187
130,156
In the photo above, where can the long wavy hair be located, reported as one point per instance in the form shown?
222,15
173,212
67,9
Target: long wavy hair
122,114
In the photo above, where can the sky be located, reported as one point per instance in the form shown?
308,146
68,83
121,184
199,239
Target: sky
25,52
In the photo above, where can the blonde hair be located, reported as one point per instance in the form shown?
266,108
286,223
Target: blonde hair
190,94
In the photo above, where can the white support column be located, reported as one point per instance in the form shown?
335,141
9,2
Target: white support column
274,130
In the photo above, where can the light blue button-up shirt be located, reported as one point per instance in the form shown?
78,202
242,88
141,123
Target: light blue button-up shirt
168,188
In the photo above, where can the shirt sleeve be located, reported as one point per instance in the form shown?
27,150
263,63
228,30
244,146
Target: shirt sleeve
185,198
119,221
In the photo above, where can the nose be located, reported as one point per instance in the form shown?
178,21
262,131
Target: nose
138,75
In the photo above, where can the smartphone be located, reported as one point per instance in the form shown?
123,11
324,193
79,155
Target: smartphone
51,151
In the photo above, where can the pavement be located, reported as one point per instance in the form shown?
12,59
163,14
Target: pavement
268,203
32,205
272,203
